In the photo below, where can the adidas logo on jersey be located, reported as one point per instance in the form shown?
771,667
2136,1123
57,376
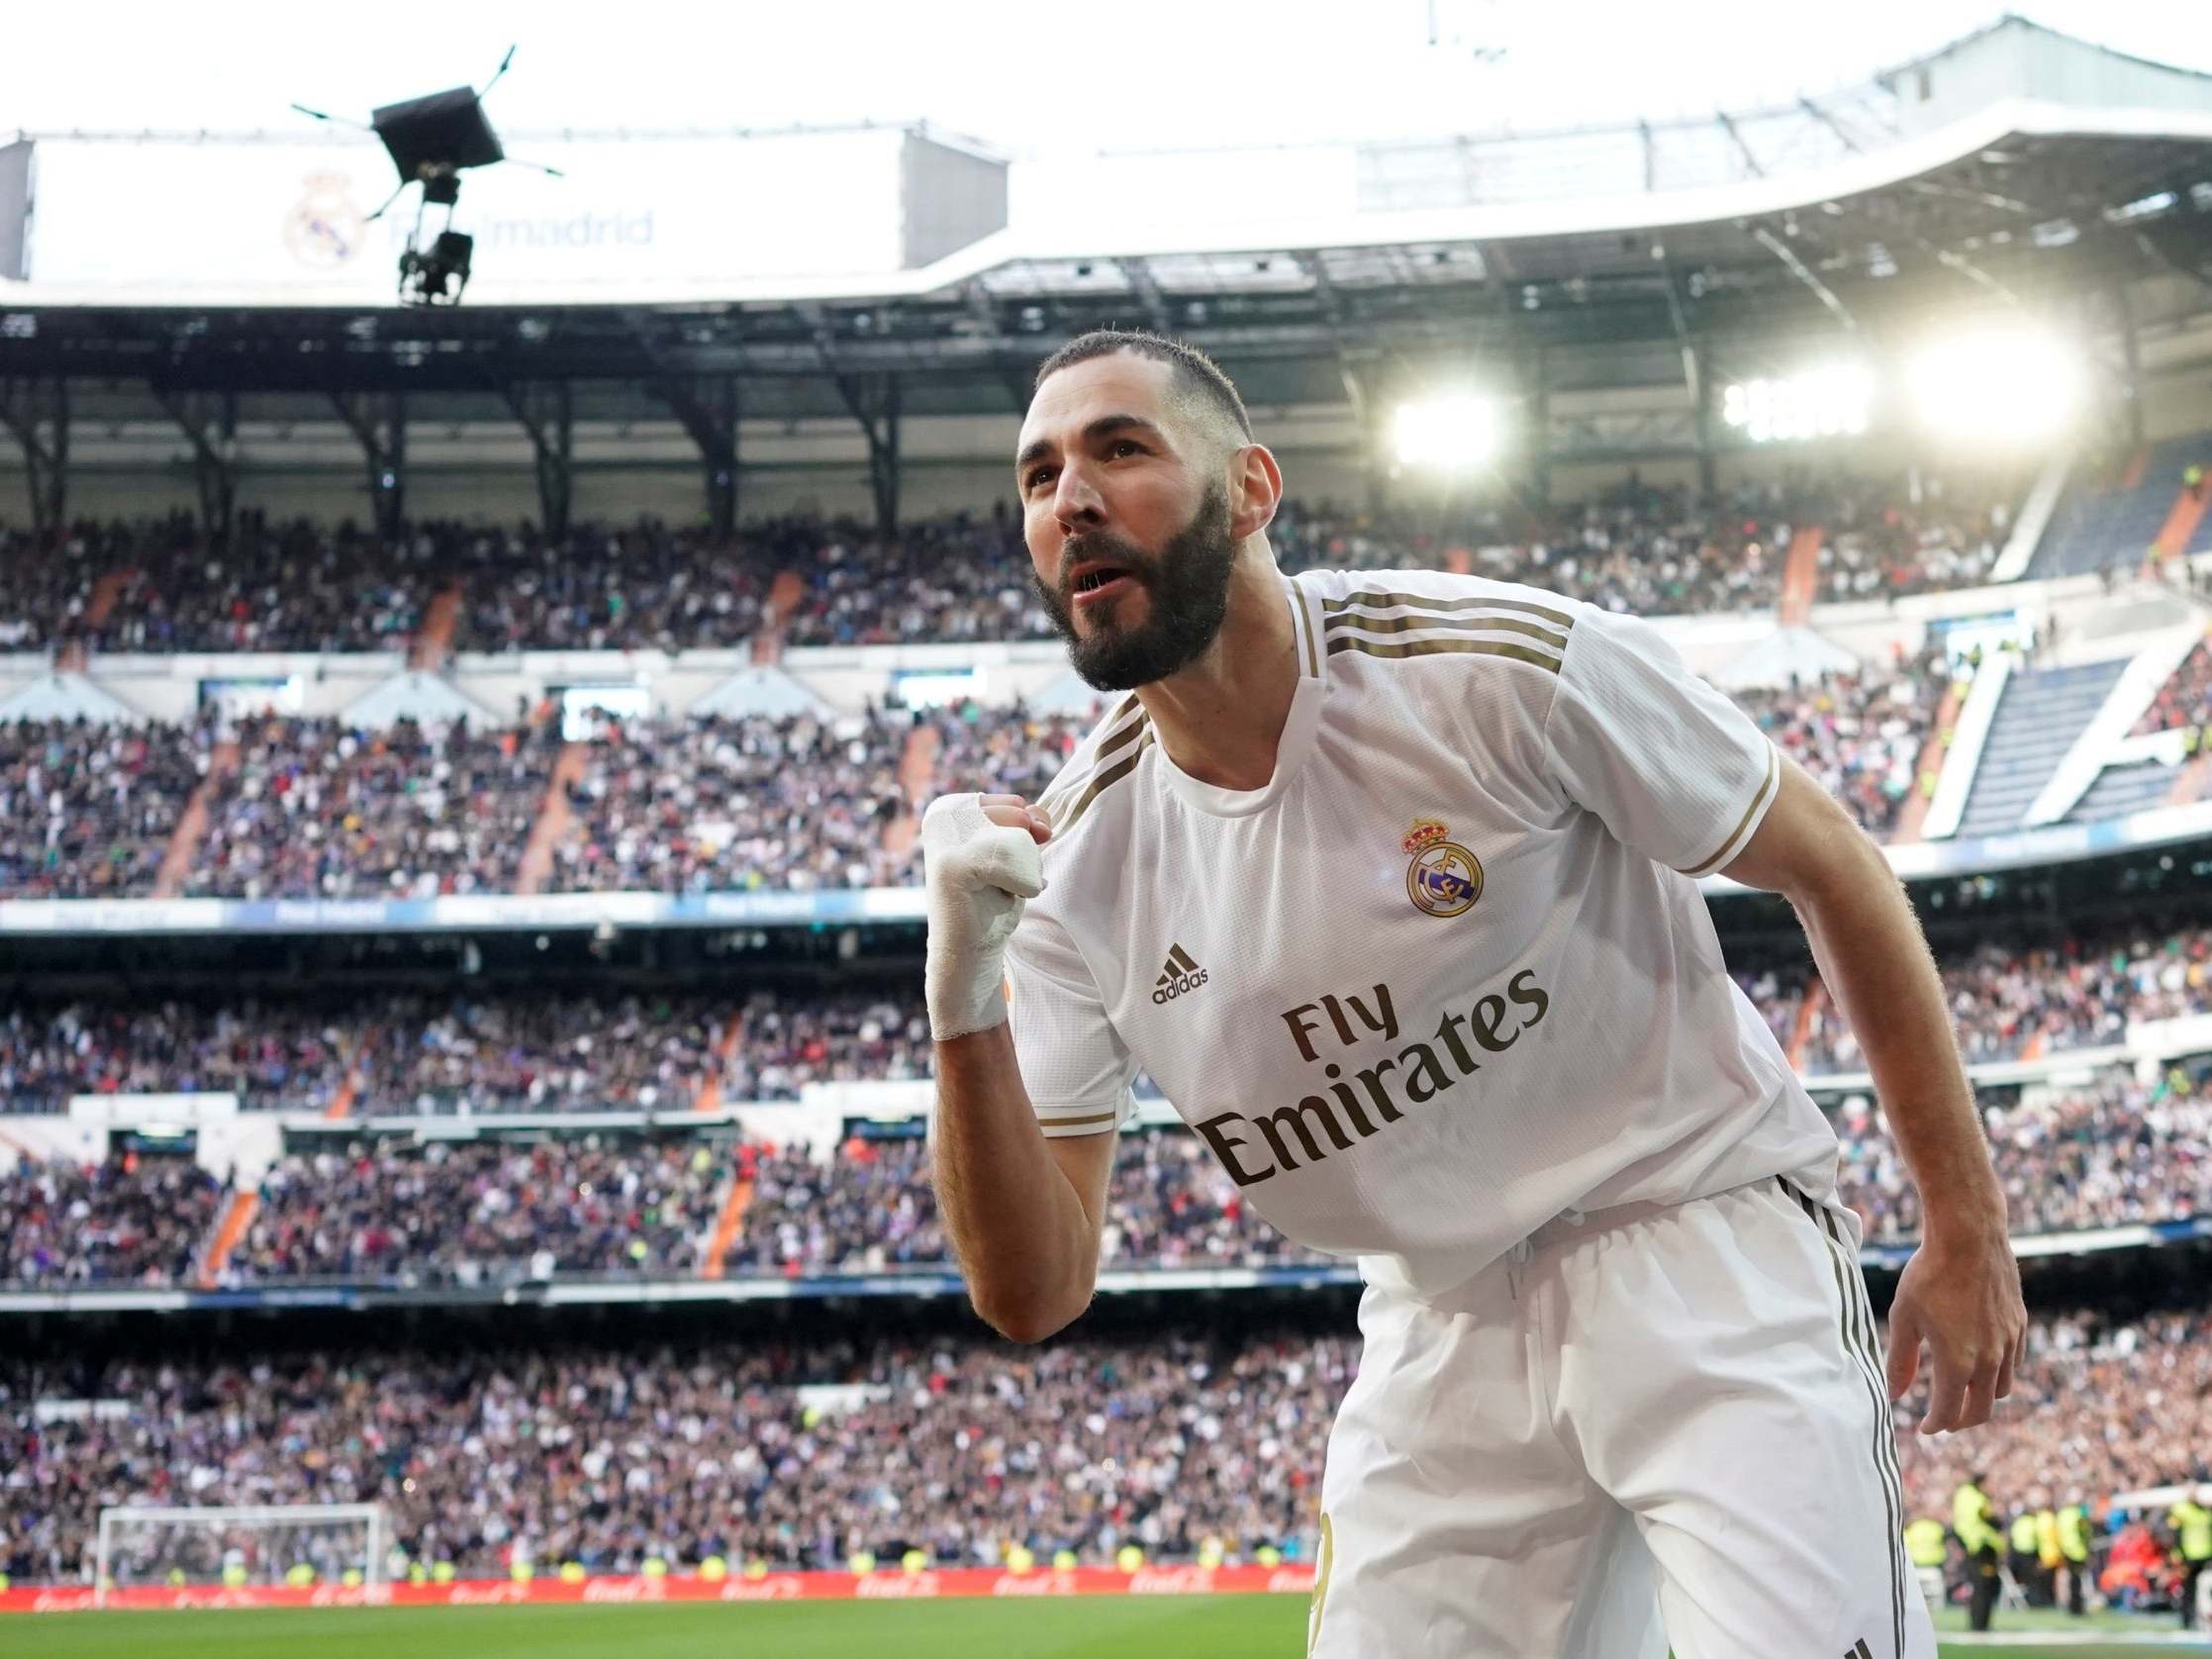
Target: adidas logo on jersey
1179,978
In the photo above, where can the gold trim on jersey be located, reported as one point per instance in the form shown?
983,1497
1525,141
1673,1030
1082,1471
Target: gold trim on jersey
1105,780
1078,1123
1439,647
1542,634
1766,789
1064,789
1424,602
1305,629
1324,1564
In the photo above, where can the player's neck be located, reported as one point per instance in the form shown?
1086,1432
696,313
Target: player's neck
1221,717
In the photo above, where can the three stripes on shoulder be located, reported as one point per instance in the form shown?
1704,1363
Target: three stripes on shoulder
1417,625
1513,628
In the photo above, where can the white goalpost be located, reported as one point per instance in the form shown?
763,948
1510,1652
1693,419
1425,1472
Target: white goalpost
240,1545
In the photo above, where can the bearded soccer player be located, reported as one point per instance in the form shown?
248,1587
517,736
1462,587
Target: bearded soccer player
1389,879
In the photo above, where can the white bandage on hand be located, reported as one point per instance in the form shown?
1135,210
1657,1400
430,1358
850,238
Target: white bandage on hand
978,875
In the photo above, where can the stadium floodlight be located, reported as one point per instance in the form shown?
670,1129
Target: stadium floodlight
1999,383
1830,402
1450,432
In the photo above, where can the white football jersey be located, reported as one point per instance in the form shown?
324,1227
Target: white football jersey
1448,974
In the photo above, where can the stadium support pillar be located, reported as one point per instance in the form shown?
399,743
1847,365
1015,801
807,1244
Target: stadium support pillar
547,413
2131,355
210,423
1540,435
708,405
1698,370
1367,415
36,410
378,421
873,402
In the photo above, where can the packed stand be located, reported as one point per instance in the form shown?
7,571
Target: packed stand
316,808
960,578
87,810
1860,736
308,586
493,1461
868,1209
2185,700
503,1462
545,1054
1662,550
606,587
296,586
2111,1153
272,1055
1003,751
1880,544
130,1220
793,803
47,589
484,1213
784,1043
2010,1003
2103,1404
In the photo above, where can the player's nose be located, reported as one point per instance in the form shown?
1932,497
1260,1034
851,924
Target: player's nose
1076,501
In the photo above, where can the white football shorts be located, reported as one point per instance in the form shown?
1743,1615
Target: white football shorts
1654,1423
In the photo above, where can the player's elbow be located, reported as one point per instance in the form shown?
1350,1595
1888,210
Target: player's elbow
1026,1319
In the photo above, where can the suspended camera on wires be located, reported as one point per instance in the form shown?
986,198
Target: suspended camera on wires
432,142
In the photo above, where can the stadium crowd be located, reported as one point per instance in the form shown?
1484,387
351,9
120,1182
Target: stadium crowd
2105,1404
316,808
2109,1153
156,585
959,1448
1860,736
129,1221
87,810
271,1054
2010,1004
794,1457
679,805
484,1213
2113,1152
2184,702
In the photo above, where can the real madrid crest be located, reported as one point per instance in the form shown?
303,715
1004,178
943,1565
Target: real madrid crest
1444,879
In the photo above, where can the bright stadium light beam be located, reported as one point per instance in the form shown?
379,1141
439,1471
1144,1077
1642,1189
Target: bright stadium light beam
1830,402
1452,431
1997,384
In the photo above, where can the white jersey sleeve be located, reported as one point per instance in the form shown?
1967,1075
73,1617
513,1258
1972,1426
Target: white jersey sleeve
1674,769
1075,1067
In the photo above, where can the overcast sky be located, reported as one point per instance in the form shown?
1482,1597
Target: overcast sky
1034,77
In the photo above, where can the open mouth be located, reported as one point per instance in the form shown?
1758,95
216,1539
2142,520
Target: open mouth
1097,582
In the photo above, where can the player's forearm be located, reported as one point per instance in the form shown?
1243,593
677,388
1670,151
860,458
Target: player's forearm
1874,962
1025,1245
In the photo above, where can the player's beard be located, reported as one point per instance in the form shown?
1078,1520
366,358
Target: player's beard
1187,593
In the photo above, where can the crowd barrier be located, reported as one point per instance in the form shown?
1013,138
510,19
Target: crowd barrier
888,1586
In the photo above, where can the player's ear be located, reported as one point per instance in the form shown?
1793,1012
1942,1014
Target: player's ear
1255,490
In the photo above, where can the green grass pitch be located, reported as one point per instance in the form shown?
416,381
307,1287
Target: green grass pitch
1191,1627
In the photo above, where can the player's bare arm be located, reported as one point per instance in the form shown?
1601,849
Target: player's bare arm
1960,1292
1023,1212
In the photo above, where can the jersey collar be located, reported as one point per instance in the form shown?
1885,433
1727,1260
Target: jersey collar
1300,730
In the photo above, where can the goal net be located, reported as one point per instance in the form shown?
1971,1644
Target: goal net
241,1545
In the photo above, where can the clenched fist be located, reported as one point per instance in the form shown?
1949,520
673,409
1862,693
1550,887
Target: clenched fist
981,863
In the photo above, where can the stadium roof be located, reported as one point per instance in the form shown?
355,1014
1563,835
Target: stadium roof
2017,198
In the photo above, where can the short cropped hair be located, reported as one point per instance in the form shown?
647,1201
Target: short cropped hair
1197,375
